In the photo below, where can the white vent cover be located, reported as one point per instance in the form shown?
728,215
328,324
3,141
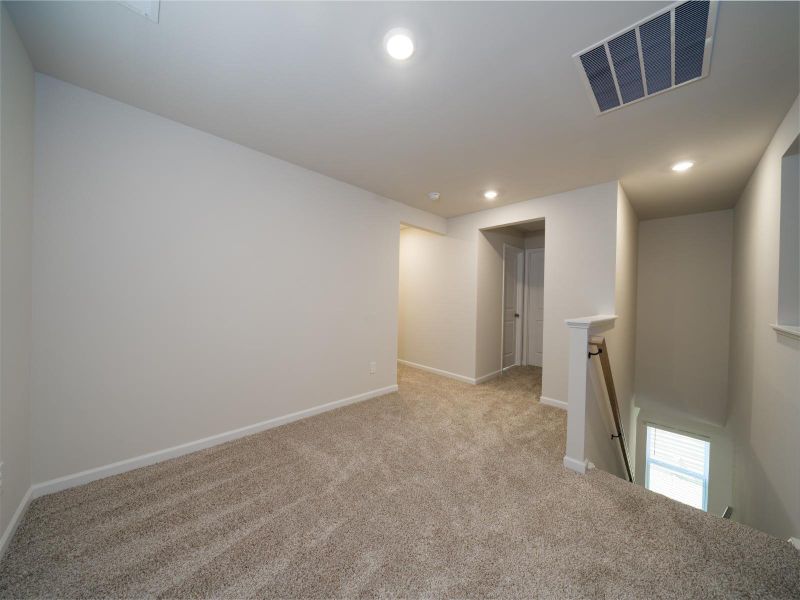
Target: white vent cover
661,52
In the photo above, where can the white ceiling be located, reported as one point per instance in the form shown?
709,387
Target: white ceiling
491,98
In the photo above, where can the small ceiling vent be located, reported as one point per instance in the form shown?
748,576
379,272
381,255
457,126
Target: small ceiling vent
661,52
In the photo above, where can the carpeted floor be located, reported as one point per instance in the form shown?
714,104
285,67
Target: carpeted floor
443,489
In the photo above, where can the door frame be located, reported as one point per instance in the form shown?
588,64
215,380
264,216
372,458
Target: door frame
527,308
520,298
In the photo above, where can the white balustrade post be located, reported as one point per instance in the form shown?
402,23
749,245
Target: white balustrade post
577,387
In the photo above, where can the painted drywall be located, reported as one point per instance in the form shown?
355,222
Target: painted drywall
457,283
186,286
764,364
601,450
684,315
490,268
16,209
621,343
428,329
534,240
621,339
578,273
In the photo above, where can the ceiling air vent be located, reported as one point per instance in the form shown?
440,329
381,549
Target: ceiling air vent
659,53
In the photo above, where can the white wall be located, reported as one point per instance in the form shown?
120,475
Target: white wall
621,339
684,314
534,239
16,206
457,279
185,286
425,273
600,449
764,365
578,273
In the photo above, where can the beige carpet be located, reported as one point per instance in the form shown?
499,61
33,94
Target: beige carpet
441,490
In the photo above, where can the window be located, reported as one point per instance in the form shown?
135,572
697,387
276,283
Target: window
677,466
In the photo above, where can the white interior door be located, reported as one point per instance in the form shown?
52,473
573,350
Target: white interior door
535,309
512,305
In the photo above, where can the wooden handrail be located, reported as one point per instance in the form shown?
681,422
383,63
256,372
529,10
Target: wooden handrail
602,353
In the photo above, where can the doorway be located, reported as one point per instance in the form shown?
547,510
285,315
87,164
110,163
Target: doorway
517,252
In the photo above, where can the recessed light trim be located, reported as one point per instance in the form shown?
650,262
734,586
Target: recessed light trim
399,44
682,166
490,194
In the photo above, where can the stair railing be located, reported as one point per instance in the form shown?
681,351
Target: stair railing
602,353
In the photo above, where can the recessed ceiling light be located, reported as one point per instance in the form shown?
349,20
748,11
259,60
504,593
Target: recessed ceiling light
490,194
434,195
399,44
682,166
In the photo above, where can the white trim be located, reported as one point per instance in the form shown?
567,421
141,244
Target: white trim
487,377
456,376
448,374
553,402
787,330
795,542
590,322
579,466
68,481
580,329
15,520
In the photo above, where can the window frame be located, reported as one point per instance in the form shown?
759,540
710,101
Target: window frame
705,476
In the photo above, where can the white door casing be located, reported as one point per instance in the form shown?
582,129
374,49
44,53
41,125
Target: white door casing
519,333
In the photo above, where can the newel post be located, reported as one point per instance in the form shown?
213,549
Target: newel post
580,329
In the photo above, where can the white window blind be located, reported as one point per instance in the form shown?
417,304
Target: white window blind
677,466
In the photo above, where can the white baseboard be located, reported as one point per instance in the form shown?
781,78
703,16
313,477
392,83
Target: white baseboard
795,542
455,376
553,402
483,378
15,520
579,466
69,481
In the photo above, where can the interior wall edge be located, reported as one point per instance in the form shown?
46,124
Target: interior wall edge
17,112
15,520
